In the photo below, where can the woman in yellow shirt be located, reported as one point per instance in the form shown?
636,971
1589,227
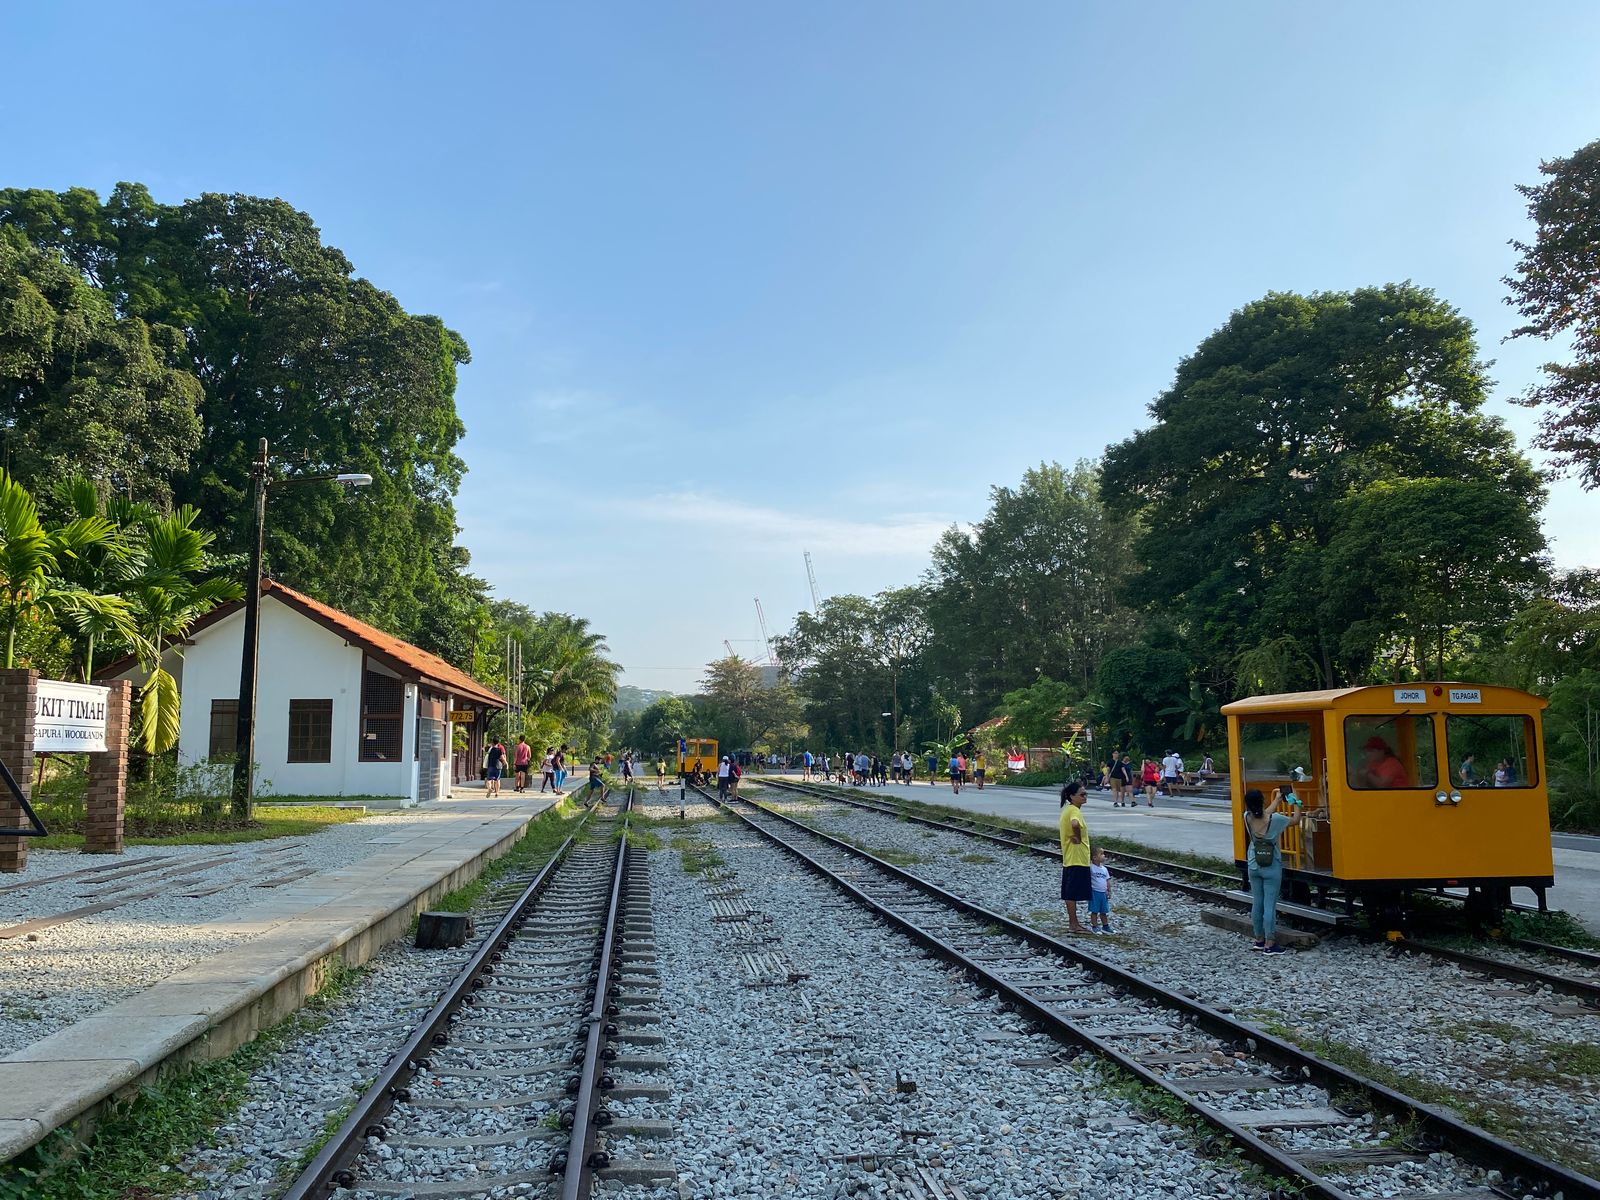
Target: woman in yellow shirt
1075,881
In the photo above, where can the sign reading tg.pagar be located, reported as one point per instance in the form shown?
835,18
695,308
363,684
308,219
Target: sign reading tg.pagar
69,717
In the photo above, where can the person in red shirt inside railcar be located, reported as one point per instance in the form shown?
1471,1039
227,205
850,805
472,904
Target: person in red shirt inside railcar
1380,768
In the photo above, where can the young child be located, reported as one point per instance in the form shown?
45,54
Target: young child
1099,893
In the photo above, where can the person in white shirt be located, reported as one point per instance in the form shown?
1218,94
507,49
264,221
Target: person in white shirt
723,769
1099,893
1172,771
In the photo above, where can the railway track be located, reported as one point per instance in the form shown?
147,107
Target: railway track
1302,1118
1221,888
504,1083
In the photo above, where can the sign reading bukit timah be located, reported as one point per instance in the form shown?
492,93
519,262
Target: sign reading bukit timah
69,717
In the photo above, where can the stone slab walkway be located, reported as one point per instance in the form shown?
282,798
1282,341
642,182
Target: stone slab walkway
280,950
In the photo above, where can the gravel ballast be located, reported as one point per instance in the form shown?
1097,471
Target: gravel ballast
878,1052
1489,1040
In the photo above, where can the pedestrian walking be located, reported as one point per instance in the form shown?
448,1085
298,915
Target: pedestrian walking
1264,824
723,769
492,768
979,769
1076,851
807,763
735,773
1149,775
933,769
661,774
522,761
547,771
955,773
1121,779
597,783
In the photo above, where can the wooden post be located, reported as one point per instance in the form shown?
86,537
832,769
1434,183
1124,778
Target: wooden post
19,690
108,776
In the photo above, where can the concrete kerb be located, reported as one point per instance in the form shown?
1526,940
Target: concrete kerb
69,1079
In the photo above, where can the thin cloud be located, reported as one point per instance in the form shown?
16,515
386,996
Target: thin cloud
756,526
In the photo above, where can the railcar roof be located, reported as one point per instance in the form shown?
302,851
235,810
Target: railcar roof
1331,697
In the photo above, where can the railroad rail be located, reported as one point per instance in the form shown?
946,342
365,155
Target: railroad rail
547,974
1168,876
1193,1053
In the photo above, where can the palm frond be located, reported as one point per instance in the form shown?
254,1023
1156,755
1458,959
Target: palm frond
159,712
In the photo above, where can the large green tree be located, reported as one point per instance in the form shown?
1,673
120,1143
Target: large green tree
858,658
84,390
284,342
1556,288
1273,424
1032,589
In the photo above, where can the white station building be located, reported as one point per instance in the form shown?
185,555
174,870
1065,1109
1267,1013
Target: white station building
342,708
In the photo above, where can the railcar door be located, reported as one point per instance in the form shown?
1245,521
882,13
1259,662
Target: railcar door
1288,751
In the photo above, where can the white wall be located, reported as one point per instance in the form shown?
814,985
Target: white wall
299,660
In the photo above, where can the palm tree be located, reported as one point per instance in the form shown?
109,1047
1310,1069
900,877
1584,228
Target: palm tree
102,566
40,570
568,675
175,581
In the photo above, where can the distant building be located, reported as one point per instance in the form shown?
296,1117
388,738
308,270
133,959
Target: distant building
342,708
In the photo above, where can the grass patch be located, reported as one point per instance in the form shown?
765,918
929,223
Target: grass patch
543,837
271,821
1503,1118
137,1145
977,858
1557,928
697,855
1202,1137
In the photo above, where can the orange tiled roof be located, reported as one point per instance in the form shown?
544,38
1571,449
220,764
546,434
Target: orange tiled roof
402,655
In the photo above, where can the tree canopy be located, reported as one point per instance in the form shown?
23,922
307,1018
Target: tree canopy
1555,289
1271,428
179,335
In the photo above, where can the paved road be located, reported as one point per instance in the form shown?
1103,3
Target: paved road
1205,827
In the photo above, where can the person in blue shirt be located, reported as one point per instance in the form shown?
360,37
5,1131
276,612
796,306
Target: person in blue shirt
806,774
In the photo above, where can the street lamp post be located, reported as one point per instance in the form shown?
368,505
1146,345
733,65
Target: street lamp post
245,738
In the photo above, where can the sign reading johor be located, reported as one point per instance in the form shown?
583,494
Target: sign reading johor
70,717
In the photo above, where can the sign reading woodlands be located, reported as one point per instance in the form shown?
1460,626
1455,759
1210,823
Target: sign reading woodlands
69,717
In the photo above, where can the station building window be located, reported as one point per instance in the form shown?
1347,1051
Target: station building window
224,741
310,731
1499,746
1391,753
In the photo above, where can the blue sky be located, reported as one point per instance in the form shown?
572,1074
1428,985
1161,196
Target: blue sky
742,280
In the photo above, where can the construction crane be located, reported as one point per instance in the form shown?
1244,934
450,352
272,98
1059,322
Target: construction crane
765,636
811,577
729,645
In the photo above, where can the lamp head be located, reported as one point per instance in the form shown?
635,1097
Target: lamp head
353,480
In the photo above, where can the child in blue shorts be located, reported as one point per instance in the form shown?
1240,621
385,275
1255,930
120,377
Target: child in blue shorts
1099,893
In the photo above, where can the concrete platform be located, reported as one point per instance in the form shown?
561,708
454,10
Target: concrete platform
297,938
1207,828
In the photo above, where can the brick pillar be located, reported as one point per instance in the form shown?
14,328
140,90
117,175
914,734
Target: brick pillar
19,692
108,777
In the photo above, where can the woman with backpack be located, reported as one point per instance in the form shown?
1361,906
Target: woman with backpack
1263,826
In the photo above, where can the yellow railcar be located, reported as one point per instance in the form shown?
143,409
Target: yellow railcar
697,755
1404,787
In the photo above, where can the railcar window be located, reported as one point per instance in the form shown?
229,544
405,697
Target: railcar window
1273,749
1487,750
1389,753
